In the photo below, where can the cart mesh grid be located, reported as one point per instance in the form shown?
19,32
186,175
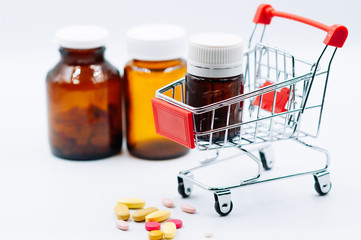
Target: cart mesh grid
263,64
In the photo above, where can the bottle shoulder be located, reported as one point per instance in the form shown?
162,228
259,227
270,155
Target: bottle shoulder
95,73
190,77
156,66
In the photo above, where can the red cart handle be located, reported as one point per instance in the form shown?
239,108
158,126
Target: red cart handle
336,34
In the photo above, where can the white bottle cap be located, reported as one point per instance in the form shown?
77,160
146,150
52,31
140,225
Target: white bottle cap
81,37
215,55
156,42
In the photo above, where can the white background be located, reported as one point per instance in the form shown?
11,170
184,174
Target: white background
43,197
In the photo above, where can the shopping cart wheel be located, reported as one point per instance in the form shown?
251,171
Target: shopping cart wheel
223,203
322,183
184,189
267,157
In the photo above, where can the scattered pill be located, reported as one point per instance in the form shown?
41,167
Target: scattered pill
178,223
133,203
155,235
169,230
139,215
208,235
122,225
167,202
151,226
122,211
158,216
188,208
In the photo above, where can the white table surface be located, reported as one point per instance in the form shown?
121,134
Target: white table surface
43,197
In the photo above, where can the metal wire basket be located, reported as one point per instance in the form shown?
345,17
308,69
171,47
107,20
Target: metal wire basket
278,95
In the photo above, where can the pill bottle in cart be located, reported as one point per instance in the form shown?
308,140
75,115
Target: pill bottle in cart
214,73
155,51
84,97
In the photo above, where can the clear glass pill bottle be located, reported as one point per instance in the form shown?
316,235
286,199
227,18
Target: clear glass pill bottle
155,51
84,97
214,73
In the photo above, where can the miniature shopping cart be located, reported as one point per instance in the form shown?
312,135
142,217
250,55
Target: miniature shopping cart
279,90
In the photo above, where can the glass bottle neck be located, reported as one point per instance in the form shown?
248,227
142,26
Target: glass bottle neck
82,56
158,64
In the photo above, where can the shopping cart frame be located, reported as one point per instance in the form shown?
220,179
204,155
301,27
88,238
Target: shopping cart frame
263,126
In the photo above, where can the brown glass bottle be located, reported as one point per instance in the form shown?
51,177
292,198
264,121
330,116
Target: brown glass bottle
215,74
84,105
201,91
142,79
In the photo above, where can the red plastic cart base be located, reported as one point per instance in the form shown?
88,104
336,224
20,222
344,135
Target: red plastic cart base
267,101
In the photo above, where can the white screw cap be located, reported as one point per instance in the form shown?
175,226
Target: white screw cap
156,42
81,37
215,54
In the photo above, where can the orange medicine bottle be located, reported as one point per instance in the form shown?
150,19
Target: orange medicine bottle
84,97
156,51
